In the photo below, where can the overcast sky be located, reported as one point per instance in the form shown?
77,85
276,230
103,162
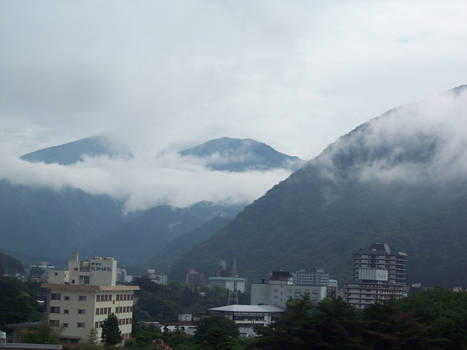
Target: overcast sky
171,74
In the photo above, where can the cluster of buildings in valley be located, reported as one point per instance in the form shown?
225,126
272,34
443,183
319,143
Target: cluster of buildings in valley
81,297
378,275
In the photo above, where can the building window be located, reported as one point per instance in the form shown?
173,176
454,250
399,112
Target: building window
55,296
65,325
81,311
54,310
66,297
82,298
65,311
54,323
80,325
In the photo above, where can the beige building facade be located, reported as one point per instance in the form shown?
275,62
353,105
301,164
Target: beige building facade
82,297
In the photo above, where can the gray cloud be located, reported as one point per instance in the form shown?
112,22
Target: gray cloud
421,142
165,75
295,75
145,180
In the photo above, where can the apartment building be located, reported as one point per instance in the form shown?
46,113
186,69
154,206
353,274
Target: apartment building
83,296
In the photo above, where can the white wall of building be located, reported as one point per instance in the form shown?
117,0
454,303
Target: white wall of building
278,294
82,297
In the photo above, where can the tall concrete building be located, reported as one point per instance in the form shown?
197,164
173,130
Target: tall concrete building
83,296
378,275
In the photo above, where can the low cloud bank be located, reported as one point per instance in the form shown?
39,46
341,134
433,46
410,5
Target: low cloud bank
425,141
144,180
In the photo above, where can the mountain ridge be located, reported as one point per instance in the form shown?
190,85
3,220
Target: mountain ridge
388,180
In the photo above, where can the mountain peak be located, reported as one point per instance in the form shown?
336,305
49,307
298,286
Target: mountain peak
233,154
72,152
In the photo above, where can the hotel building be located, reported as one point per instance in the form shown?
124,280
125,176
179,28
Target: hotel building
83,296
378,276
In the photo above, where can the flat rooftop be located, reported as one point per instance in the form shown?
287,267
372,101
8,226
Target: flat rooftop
227,279
248,308
30,346
88,288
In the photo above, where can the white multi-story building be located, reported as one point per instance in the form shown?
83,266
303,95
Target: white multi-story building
281,287
83,296
230,283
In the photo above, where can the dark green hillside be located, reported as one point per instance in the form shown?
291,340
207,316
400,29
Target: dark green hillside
9,265
180,245
138,239
241,155
391,180
46,223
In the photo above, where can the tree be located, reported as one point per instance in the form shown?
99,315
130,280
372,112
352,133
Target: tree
333,324
111,334
292,330
92,339
17,302
216,332
43,334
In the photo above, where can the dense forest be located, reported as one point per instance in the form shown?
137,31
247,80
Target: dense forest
18,301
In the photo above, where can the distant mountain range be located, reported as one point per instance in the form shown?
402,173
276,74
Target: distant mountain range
399,179
41,223
227,154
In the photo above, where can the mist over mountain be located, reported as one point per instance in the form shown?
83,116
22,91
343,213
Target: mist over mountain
225,153
54,216
230,154
72,152
400,178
